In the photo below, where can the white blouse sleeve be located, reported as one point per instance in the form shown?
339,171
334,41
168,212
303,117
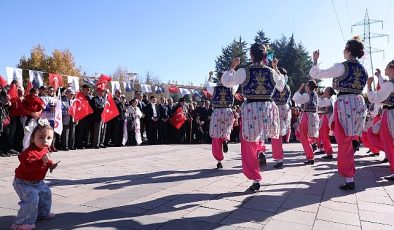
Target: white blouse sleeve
232,78
210,87
325,102
335,71
301,98
378,96
279,80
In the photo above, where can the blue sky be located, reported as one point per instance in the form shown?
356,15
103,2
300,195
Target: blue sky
179,40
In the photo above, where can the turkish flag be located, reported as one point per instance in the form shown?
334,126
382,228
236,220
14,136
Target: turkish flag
178,119
3,82
173,89
13,92
110,109
28,88
102,81
80,107
55,80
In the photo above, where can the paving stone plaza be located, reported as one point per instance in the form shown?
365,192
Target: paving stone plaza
179,187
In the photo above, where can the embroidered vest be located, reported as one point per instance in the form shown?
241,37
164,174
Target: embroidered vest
390,100
259,83
353,79
281,98
222,97
310,106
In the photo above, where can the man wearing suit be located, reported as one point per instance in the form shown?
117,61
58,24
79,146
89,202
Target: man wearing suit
152,115
141,105
82,130
67,137
98,103
163,121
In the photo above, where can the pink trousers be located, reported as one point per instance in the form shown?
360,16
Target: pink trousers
250,164
304,138
277,148
324,134
217,148
387,140
345,158
383,140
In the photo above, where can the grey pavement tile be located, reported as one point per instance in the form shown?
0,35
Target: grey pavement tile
375,207
340,206
299,217
186,224
328,214
374,226
251,215
242,224
207,214
377,217
300,205
262,203
281,224
328,225
222,204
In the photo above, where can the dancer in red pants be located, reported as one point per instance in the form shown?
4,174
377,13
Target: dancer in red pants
385,95
325,108
222,118
309,126
260,116
349,78
282,100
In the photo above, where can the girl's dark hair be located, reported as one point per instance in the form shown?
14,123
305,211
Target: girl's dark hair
331,91
39,128
282,70
312,84
257,51
133,100
33,90
391,64
356,47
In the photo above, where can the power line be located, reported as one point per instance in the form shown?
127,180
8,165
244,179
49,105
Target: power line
348,12
340,28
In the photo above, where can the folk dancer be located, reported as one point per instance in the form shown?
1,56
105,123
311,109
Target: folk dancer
350,78
260,116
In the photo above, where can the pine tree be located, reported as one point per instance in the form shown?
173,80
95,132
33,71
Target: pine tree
237,48
295,59
261,38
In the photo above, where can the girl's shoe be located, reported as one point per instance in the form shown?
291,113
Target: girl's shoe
50,216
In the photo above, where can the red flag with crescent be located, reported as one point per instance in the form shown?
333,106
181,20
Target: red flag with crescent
110,109
80,107
178,119
55,80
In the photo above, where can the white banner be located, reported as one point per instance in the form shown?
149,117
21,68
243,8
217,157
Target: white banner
35,78
184,91
14,74
58,127
73,83
145,88
115,86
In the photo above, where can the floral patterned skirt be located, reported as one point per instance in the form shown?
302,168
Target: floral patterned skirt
260,120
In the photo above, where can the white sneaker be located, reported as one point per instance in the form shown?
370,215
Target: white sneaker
27,129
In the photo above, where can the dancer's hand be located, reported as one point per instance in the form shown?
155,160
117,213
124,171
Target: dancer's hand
275,63
315,56
378,72
370,80
236,62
